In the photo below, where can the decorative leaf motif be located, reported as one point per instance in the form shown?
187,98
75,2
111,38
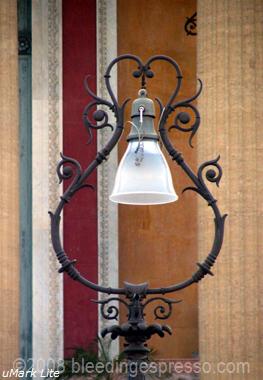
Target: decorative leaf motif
66,172
211,174
185,117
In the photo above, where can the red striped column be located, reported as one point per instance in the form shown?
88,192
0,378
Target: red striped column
80,216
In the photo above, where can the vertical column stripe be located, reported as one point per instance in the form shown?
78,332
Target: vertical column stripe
108,262
158,244
25,126
80,215
46,145
230,60
9,194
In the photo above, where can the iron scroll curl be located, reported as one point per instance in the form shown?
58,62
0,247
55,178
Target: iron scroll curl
69,168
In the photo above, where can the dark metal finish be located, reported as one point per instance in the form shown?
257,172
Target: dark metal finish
190,25
24,43
136,331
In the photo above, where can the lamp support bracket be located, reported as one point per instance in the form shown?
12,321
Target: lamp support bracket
136,331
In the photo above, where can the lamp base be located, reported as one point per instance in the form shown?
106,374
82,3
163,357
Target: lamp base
136,331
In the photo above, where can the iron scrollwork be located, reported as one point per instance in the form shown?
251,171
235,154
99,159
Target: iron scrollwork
135,330
110,311
160,311
190,25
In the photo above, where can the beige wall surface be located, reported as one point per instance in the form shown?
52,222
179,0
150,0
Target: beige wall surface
9,194
158,244
230,62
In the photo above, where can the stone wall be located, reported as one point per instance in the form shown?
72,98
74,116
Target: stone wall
230,61
9,194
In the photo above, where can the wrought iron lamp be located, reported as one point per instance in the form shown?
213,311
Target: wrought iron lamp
143,177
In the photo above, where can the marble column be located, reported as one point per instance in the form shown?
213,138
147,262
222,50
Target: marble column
9,193
47,142
230,62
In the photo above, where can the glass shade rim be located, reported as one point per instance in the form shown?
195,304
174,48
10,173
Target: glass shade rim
170,197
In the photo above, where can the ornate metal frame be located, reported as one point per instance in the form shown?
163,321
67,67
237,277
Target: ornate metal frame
136,331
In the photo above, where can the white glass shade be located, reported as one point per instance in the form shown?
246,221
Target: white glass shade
143,177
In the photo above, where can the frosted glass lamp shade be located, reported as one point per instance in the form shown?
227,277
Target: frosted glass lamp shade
143,176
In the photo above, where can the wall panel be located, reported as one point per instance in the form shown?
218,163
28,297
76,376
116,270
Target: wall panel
9,194
159,243
230,61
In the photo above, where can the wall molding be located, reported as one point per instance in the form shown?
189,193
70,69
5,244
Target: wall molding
55,146
108,268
